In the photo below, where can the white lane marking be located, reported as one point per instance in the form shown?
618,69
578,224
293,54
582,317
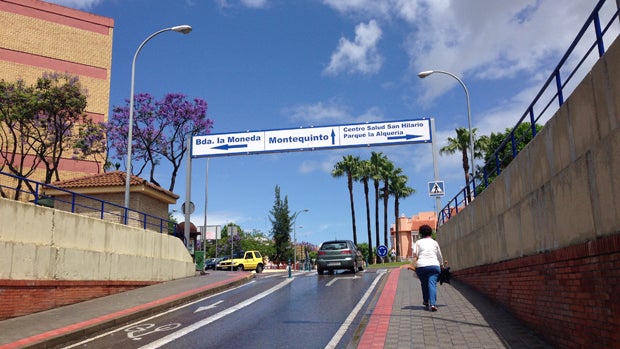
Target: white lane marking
208,307
349,320
137,332
197,325
154,316
340,278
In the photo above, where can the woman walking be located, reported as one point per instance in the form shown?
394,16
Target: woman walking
427,262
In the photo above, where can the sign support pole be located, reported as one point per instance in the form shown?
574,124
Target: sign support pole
204,233
188,190
435,169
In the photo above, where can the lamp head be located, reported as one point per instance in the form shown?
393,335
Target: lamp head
425,73
182,29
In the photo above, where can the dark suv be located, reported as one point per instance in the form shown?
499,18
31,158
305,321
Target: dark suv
339,254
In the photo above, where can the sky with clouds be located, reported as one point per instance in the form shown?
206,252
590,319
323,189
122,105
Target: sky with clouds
279,64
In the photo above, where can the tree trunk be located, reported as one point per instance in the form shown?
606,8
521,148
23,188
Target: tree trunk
350,182
368,218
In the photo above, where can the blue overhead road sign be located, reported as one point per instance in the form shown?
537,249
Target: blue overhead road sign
312,138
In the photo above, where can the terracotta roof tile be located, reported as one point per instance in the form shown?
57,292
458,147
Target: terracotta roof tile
114,178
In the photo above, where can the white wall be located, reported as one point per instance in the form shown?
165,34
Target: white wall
39,243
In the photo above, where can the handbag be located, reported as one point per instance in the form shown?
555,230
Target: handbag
444,275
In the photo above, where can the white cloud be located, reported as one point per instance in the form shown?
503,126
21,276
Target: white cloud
488,39
255,4
386,9
331,112
77,4
324,165
360,55
318,114
475,39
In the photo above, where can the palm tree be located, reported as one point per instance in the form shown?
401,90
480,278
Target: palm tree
386,174
460,143
377,161
364,176
349,167
398,189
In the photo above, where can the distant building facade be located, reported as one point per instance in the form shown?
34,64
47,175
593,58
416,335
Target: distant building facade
38,37
408,229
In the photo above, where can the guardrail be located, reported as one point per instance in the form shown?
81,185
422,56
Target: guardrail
554,89
25,189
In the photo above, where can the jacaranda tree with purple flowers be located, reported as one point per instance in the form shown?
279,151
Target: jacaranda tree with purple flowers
44,123
160,131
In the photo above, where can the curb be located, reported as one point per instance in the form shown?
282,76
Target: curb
75,331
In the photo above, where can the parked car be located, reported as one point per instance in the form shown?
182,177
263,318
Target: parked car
248,260
339,254
210,263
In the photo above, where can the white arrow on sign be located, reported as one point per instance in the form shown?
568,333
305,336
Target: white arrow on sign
212,306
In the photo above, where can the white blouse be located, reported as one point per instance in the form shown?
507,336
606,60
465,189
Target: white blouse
428,252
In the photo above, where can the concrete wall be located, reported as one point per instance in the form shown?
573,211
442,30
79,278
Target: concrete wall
562,189
38,243
543,240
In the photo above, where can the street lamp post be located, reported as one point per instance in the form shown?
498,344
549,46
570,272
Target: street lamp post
426,73
295,237
180,29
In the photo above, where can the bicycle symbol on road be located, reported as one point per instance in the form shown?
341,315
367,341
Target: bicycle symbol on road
138,331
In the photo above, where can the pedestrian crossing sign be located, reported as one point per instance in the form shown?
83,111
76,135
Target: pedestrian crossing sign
436,188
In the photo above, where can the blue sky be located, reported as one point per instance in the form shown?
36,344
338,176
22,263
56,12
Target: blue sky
274,64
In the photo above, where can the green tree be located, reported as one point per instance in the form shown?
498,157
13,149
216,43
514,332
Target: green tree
490,144
61,124
461,144
258,241
365,249
16,107
365,173
42,124
377,161
229,243
348,167
280,227
398,189
172,222
386,173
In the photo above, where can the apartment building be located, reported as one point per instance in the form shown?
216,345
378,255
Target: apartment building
38,37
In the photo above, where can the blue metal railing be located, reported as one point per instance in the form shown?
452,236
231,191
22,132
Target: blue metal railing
498,159
35,192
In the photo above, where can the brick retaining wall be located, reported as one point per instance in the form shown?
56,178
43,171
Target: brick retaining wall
22,297
567,295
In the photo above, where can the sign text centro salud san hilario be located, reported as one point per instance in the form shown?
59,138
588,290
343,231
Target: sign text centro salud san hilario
312,138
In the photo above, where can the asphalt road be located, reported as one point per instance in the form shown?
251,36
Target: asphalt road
271,311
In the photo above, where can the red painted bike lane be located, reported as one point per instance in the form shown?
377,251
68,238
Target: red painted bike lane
377,328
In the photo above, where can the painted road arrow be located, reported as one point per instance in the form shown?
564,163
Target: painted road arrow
212,306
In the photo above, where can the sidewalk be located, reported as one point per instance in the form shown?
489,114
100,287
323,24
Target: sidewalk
398,320
464,319
59,325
